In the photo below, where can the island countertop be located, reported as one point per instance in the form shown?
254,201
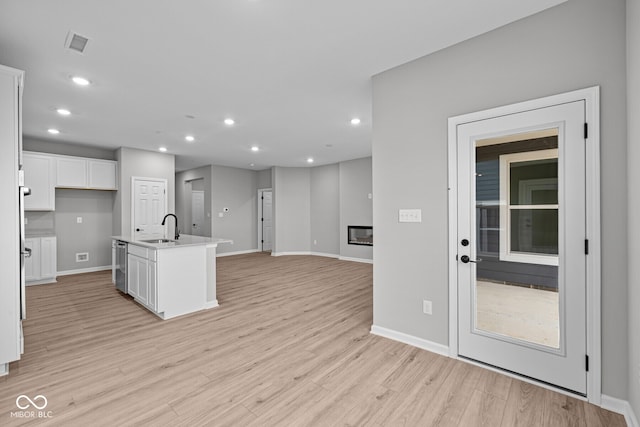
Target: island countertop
184,240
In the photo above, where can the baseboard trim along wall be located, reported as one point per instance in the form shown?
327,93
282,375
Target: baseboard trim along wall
364,260
411,340
84,270
621,407
341,258
248,251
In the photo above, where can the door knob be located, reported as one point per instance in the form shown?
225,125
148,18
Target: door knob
465,259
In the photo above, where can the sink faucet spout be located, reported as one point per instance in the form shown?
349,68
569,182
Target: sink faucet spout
177,233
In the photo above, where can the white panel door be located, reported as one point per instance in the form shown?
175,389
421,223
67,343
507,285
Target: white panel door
521,243
197,213
267,220
149,208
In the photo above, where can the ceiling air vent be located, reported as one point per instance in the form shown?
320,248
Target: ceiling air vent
76,42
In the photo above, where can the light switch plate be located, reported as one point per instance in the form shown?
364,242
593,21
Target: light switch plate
410,215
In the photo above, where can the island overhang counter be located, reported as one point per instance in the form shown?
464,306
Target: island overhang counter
172,277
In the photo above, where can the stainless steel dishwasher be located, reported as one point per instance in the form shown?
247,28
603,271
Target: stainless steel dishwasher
121,266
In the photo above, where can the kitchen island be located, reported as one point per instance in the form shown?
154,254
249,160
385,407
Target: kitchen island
172,277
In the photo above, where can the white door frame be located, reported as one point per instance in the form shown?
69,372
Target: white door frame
133,198
260,191
591,96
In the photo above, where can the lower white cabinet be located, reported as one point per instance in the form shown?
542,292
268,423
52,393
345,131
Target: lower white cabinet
141,276
41,266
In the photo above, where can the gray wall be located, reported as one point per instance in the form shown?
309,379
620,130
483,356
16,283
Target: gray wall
235,189
633,160
92,235
313,206
52,147
183,197
325,209
575,45
291,209
264,178
146,164
356,208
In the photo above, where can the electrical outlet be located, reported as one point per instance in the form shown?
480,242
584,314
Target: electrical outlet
82,257
79,220
427,307
315,242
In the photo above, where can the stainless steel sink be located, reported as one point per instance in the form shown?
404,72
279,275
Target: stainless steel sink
158,241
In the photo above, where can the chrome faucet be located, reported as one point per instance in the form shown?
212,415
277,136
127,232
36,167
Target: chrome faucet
177,233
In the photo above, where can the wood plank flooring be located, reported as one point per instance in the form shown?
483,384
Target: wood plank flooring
288,346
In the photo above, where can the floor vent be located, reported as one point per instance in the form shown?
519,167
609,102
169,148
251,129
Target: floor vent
76,42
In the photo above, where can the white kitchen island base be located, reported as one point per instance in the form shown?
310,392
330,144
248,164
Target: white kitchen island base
174,278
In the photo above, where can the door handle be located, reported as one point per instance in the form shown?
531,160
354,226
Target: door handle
465,259
139,229
27,252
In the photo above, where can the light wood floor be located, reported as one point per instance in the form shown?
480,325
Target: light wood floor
289,345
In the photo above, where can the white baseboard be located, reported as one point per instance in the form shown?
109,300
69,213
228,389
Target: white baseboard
211,304
341,258
4,369
621,407
84,270
411,340
41,282
326,255
249,251
290,253
364,260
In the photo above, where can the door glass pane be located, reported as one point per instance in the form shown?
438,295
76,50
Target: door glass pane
516,221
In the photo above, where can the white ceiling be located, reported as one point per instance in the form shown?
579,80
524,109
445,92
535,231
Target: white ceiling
292,73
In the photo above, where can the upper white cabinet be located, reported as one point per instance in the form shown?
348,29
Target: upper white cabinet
39,176
71,172
79,172
44,172
102,174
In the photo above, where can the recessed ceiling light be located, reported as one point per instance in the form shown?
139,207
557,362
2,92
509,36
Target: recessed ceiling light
310,160
63,111
80,81
255,148
53,131
163,149
252,164
189,138
355,121
229,121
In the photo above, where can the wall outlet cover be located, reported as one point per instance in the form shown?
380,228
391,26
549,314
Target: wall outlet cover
427,307
82,257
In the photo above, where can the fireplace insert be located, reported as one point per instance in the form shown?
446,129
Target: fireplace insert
360,235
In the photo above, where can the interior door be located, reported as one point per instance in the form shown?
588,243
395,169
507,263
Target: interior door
521,244
197,212
149,207
267,223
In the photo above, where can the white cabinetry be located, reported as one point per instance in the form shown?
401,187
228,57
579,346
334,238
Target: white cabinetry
80,172
102,174
39,176
41,267
71,172
141,275
44,172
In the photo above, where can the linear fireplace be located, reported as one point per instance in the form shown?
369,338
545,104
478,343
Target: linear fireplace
360,235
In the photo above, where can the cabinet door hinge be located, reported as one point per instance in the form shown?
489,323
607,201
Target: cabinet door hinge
586,130
586,246
586,362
